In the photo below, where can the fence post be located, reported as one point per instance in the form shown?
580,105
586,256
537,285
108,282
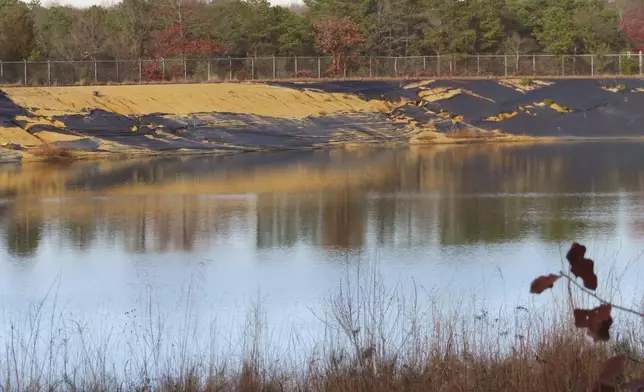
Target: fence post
274,68
95,71
592,65
25,71
505,65
252,67
619,61
478,65
640,62
1,71
396,66
230,69
185,70
49,72
319,68
209,70
563,66
118,77
424,62
140,72
534,65
296,66
438,65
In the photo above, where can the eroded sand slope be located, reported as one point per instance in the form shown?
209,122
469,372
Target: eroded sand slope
40,122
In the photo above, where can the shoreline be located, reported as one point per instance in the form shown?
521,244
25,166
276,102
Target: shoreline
351,146
400,347
121,121
501,140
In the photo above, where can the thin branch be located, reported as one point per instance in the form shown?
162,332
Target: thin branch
592,294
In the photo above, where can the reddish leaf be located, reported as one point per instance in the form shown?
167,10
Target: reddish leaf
603,311
576,252
582,267
542,283
582,317
613,368
600,330
635,385
598,321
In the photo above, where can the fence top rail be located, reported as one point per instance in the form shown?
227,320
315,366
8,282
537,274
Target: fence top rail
440,56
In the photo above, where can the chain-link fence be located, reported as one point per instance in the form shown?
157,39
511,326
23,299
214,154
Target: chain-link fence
266,68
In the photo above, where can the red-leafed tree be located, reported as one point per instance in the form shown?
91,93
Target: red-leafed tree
633,27
174,41
337,37
184,31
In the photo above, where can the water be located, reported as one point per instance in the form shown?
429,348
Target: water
204,238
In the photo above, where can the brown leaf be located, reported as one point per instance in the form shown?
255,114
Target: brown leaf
602,312
576,252
582,267
601,330
613,368
542,283
582,317
635,385
598,321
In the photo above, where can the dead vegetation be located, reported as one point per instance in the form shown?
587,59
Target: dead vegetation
51,152
376,339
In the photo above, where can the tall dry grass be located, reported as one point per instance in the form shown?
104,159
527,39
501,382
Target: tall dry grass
376,339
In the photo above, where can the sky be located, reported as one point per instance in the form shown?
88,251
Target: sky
87,3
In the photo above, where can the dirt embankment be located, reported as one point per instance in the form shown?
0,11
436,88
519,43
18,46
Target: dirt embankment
68,122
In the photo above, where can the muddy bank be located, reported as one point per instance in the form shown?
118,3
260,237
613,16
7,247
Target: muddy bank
69,122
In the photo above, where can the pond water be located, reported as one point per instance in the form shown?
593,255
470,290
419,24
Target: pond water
205,237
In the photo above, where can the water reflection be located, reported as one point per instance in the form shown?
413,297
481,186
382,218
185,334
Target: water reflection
449,195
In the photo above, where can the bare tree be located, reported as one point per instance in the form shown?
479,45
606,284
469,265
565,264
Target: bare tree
516,45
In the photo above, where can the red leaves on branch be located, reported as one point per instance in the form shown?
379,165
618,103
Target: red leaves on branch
582,267
337,37
598,321
175,42
632,25
543,283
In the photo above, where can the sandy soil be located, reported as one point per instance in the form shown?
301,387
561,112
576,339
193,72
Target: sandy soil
246,98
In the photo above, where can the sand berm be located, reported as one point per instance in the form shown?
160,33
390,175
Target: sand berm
95,121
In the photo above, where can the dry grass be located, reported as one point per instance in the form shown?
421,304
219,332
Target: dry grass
376,340
51,152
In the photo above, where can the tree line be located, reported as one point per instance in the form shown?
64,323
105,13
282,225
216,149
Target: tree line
135,29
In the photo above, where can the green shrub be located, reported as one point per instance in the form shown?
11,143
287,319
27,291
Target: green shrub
629,65
84,73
